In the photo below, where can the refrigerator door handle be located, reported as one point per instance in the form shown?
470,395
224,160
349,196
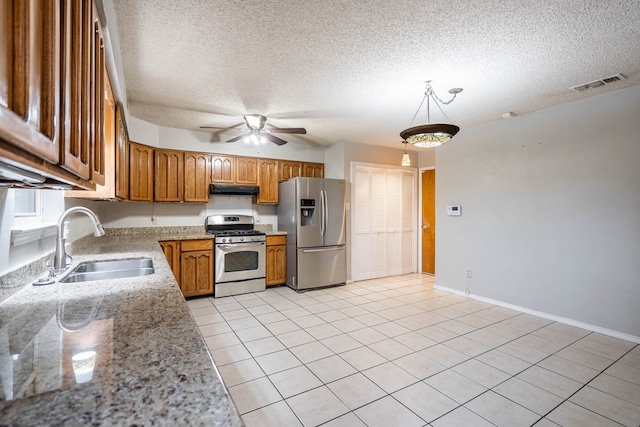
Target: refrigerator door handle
331,248
325,205
322,214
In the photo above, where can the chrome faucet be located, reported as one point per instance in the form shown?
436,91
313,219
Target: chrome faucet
60,257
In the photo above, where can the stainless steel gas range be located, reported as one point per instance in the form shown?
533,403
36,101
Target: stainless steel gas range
240,255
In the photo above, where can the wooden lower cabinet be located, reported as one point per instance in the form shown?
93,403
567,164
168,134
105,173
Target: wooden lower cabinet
276,260
192,264
171,249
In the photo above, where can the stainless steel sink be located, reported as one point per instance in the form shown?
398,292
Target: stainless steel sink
103,270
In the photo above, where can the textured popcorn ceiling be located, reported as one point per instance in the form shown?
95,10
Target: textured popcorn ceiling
354,71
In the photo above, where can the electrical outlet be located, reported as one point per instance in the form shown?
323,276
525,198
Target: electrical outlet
469,274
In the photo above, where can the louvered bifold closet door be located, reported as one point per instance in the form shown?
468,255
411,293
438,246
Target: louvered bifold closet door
383,222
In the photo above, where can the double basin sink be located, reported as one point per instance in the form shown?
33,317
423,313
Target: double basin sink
115,269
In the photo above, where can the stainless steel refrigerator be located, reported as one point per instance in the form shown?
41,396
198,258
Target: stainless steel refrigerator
312,212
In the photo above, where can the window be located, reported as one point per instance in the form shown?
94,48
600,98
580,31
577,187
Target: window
27,207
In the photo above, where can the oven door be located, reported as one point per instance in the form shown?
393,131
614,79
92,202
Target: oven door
240,261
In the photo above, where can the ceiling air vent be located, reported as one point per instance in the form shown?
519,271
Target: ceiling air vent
597,83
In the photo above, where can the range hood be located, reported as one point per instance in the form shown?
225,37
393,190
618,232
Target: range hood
234,190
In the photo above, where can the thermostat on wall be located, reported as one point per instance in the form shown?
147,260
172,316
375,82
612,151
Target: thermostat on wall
453,210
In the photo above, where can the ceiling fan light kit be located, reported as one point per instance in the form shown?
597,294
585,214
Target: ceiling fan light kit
431,135
258,132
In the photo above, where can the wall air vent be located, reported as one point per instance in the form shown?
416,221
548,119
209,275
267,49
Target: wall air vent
598,83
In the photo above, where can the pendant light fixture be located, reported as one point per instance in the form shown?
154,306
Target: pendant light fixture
431,135
406,161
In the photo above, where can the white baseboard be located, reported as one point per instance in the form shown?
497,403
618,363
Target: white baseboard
594,328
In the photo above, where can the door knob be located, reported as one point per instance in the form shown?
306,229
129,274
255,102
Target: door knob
425,227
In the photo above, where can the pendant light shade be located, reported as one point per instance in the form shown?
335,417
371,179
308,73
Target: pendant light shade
431,135
406,160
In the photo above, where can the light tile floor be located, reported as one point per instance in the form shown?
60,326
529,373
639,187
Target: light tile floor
396,352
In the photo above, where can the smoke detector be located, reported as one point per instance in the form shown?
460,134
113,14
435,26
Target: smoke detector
598,83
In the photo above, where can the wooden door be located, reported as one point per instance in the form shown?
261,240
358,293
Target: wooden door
313,170
246,170
289,169
223,169
268,181
276,260
196,267
77,28
122,156
30,50
171,250
98,71
428,226
197,177
169,176
140,172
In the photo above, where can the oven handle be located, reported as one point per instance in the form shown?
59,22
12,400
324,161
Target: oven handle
236,245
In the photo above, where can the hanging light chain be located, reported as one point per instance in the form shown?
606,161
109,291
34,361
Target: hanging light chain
429,92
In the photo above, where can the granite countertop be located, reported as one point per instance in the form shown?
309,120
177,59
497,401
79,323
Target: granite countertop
114,352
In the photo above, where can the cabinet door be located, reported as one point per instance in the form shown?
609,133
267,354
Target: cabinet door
246,170
276,265
98,148
108,131
268,181
171,249
196,273
140,172
169,176
77,27
197,177
30,50
313,170
222,169
122,156
289,169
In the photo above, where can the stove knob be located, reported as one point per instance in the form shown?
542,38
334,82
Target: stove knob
229,239
242,239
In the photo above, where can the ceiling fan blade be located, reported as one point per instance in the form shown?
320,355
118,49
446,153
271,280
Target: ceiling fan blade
274,139
238,138
222,127
301,131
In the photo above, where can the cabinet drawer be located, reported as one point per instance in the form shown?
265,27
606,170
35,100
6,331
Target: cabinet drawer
276,240
196,245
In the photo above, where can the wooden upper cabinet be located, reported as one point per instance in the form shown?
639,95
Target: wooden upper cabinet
246,170
140,172
30,51
51,61
222,169
289,169
116,151
197,177
6,52
169,176
121,156
98,72
77,28
313,170
268,181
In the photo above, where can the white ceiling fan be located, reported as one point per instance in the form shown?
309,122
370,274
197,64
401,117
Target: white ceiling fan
257,129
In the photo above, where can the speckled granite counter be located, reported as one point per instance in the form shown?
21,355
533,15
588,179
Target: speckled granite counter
116,352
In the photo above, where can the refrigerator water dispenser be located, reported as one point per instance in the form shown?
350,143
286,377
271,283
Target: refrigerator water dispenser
307,212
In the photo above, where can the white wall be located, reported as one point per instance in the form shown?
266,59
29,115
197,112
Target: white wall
550,211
